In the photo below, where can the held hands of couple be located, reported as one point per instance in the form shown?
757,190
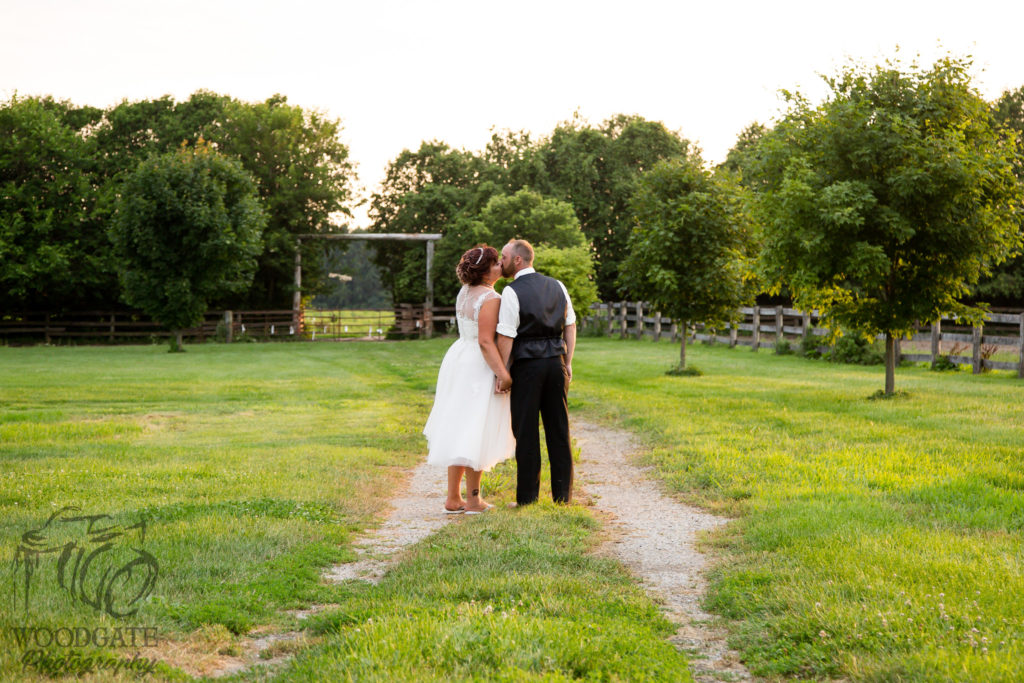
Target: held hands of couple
503,385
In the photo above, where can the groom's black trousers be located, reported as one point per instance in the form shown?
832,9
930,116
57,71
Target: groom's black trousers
541,385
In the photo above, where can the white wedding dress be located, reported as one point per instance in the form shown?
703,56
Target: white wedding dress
469,425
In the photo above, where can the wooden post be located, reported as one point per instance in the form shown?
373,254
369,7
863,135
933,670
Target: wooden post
779,336
657,325
756,340
611,319
732,335
229,323
805,328
428,306
623,330
936,340
976,350
674,330
297,296
1020,367
639,319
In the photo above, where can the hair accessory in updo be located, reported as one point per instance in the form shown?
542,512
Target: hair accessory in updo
478,258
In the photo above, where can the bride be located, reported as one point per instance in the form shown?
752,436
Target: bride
470,429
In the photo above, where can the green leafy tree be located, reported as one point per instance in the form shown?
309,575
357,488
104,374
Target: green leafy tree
54,254
692,248
596,170
885,203
1006,283
561,250
742,158
574,267
304,179
592,170
300,166
548,224
435,189
355,279
186,231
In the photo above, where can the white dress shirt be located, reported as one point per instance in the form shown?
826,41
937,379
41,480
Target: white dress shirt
508,314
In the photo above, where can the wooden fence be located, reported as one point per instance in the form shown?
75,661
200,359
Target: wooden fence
1002,335
132,326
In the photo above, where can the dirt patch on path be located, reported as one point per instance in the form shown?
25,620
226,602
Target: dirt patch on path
655,536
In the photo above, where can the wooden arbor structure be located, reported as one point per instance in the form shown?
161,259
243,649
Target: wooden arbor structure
429,238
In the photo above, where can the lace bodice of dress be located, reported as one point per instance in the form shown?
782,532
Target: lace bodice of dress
467,309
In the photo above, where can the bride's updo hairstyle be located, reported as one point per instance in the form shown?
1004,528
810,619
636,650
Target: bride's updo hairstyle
475,264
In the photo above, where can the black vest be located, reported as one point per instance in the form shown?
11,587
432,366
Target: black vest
542,308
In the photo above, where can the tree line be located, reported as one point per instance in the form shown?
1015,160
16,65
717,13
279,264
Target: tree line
897,199
69,175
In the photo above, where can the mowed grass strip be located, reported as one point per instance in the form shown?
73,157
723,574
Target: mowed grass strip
876,539
513,595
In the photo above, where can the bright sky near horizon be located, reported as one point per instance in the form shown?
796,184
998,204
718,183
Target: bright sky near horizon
398,72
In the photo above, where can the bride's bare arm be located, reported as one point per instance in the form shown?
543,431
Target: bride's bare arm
488,325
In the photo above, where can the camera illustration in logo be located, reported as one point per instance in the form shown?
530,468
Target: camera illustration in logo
98,563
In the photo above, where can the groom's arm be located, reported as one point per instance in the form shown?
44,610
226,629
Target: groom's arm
569,332
504,348
508,323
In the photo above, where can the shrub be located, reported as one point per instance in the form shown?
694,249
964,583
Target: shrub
856,350
808,347
944,364
783,348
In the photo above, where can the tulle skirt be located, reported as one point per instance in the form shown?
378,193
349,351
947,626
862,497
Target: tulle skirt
469,424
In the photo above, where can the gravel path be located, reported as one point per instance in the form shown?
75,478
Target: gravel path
652,534
655,537
416,515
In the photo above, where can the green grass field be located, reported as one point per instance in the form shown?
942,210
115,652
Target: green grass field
255,464
348,323
874,540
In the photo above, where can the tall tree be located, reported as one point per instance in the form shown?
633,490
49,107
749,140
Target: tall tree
691,250
435,189
304,179
886,202
186,231
53,251
596,171
300,165
561,249
1006,283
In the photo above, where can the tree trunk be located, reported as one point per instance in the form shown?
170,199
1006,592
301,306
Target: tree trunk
682,347
176,341
890,363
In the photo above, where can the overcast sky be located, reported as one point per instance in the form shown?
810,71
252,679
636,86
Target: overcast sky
399,72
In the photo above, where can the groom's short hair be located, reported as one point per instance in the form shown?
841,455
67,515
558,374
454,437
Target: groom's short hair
522,249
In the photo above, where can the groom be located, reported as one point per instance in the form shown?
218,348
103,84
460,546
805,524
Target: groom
537,332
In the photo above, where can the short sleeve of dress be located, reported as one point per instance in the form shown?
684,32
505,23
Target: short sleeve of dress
487,295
